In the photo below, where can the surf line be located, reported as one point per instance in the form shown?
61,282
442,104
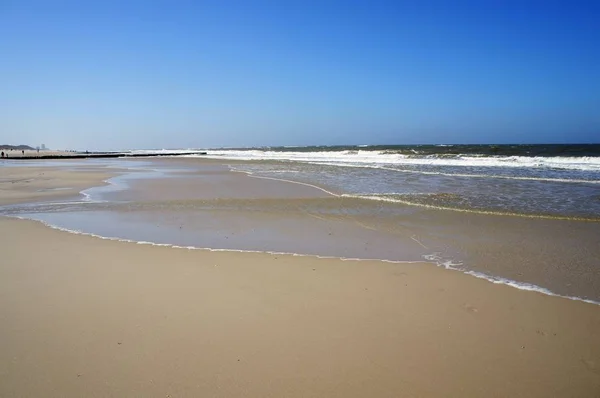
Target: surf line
250,174
378,197
473,211
429,259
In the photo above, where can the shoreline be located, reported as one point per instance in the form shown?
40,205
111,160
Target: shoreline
494,280
129,319
96,155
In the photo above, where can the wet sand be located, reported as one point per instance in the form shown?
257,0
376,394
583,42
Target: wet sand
210,180
34,184
84,316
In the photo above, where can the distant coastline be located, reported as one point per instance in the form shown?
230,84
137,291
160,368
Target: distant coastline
48,155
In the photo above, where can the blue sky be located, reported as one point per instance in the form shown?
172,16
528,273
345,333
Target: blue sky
115,75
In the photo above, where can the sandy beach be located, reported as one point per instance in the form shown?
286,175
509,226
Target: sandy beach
31,184
84,316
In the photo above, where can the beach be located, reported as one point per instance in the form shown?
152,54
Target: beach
85,316
300,199
42,183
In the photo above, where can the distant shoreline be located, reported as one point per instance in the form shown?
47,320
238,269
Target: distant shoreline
93,155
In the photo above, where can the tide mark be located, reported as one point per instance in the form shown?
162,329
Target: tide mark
419,242
365,226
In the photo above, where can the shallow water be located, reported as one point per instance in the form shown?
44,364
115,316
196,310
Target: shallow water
505,190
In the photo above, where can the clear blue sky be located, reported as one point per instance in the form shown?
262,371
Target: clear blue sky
112,75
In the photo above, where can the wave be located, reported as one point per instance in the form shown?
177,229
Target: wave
374,157
450,265
468,175
398,199
160,151
401,198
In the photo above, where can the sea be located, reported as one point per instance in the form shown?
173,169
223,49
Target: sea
527,216
554,181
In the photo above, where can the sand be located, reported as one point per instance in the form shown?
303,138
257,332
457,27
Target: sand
34,184
83,316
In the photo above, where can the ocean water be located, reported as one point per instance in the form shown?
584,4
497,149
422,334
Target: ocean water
555,181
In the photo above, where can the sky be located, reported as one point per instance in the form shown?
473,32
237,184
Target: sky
110,75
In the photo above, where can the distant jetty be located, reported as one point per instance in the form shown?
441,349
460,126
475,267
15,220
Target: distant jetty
15,155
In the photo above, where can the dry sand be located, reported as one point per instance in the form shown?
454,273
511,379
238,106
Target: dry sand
82,316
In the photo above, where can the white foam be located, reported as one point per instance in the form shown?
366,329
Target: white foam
439,173
584,163
161,151
249,173
469,175
496,280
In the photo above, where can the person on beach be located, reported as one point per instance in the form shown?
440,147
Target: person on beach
2,153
